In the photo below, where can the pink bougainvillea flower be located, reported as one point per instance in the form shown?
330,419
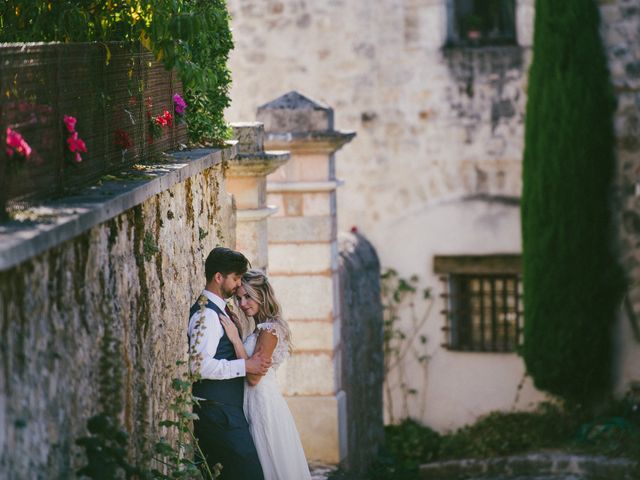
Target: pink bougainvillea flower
179,104
17,144
76,144
70,123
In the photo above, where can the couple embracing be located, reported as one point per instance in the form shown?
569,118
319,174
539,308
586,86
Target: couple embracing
243,420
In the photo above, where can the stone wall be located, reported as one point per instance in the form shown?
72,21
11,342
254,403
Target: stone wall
435,168
131,278
362,369
621,34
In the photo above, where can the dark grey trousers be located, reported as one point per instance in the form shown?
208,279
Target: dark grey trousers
223,435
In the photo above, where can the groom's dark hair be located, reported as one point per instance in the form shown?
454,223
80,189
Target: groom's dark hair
225,261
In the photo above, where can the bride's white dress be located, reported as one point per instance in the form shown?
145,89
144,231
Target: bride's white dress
270,421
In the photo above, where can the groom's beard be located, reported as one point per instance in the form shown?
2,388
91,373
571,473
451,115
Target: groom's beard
227,293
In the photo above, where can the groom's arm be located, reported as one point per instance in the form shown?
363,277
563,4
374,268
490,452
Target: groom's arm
205,332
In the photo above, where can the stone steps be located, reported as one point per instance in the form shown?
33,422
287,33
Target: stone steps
537,466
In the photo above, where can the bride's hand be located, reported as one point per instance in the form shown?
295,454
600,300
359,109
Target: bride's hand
231,329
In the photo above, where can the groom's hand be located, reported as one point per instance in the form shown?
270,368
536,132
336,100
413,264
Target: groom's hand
258,364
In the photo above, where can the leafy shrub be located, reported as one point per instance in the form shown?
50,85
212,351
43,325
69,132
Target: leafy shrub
616,432
508,433
412,442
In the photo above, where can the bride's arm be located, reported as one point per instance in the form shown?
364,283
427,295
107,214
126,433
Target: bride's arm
266,344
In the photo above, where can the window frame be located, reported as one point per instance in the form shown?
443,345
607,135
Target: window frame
461,332
456,38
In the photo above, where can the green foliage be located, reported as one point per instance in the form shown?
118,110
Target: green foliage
107,448
508,433
571,280
615,432
191,35
412,443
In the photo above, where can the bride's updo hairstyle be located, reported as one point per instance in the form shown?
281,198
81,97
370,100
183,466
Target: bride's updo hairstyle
257,286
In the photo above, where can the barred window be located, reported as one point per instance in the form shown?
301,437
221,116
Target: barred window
482,302
481,22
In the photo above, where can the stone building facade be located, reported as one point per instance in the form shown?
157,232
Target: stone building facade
620,30
433,178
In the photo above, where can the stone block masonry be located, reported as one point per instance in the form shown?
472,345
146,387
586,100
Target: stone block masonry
123,261
303,260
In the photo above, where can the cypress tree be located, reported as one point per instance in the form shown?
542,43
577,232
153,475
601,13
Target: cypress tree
570,275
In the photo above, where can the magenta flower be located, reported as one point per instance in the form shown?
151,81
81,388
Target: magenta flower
17,144
179,104
76,145
70,123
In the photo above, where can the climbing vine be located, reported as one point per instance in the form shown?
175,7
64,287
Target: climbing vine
175,455
404,321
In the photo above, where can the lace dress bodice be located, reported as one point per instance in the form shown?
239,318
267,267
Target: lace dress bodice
281,352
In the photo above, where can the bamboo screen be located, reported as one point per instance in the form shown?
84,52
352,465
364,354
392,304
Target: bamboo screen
111,89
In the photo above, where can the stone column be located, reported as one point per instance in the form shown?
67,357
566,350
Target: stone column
303,257
246,180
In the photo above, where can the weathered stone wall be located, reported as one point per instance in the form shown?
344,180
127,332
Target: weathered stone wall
361,350
133,278
621,34
435,168
433,124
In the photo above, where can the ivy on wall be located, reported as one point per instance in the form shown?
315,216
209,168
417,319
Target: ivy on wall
191,35
571,280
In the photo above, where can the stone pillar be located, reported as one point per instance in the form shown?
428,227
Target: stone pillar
246,180
303,257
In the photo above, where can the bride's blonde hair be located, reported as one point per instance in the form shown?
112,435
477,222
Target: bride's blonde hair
257,286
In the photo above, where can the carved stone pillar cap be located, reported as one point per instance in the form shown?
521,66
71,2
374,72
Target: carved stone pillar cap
252,160
250,136
293,112
297,123
256,165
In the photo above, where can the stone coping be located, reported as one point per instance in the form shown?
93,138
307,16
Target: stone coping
258,164
48,224
319,186
585,466
316,141
255,215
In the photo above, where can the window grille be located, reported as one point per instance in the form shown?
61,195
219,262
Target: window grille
482,303
481,22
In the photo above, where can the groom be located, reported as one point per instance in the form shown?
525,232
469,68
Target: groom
222,430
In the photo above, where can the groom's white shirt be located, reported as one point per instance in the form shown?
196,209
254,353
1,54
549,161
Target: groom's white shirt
211,368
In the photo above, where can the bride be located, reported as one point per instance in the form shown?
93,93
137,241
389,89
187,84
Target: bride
270,421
